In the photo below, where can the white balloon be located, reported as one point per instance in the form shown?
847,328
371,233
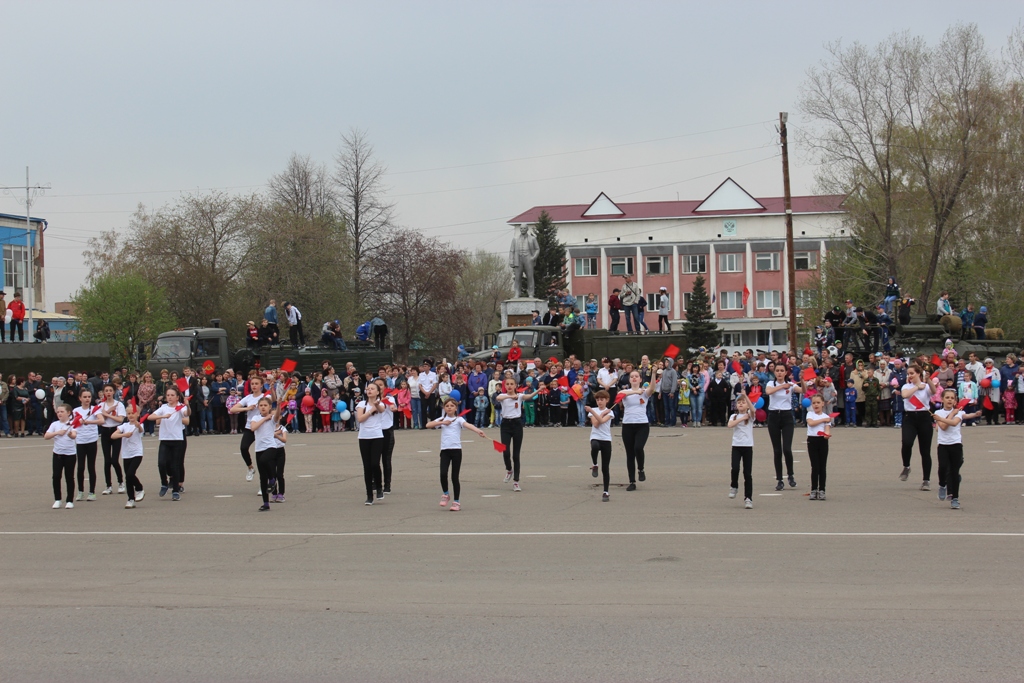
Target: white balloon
40,394
8,316
345,415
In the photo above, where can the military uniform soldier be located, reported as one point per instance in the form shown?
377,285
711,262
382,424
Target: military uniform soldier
872,392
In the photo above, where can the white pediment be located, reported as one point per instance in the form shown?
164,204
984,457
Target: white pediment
603,206
729,196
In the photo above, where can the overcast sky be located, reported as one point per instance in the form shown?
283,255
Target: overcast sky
480,110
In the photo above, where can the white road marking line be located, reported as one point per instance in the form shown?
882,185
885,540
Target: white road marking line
770,494
997,451
991,442
1001,461
306,476
491,495
227,496
1013,475
307,534
422,451
537,476
571,466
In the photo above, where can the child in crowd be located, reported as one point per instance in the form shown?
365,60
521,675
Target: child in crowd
404,399
1010,405
554,404
591,312
818,432
742,423
683,409
480,404
564,400
601,439
64,453
451,425
850,399
336,414
229,404
324,405
968,390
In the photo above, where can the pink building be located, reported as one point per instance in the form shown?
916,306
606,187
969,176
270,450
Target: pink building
737,241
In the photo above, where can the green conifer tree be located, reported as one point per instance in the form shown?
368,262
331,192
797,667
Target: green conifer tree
700,328
550,270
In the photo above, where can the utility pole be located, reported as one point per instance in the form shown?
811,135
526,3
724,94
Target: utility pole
28,187
790,259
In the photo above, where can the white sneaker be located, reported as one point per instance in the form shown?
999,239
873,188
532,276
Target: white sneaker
129,505
508,476
515,487
139,495
69,506
121,488
57,504
748,504
732,492
107,491
80,496
250,474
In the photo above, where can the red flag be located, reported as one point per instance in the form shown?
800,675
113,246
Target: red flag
143,417
736,366
987,403
181,406
124,392
182,384
408,413
521,390
291,416
288,365
97,408
935,374
916,402
963,403
671,352
135,406
465,412
77,421
618,397
563,381
754,394
574,391
287,382
833,415
746,295
500,447
827,436
936,360
809,374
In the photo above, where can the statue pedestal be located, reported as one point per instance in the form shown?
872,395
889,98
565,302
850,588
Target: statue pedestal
519,311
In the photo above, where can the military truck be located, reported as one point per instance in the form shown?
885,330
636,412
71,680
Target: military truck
206,349
544,341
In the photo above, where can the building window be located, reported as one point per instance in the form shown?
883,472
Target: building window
772,337
805,298
622,265
730,301
805,260
695,263
658,265
769,298
654,301
14,267
767,261
686,300
731,339
730,263
586,266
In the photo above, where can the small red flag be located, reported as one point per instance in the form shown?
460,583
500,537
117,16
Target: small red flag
618,398
809,374
521,390
833,415
671,352
287,383
500,447
574,391
987,403
124,392
746,295
821,433
143,417
135,406
916,402
182,384
563,381
964,402
181,406
291,416
754,394
408,413
77,421
936,360
465,412
97,408
736,366
288,365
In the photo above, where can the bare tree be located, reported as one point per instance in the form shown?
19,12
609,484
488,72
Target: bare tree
304,188
483,283
360,200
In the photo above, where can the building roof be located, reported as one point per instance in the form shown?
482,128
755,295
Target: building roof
14,217
728,199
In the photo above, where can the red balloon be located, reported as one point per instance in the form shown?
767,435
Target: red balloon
308,401
986,383
760,415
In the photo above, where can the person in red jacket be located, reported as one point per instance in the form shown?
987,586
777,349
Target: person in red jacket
17,308
515,353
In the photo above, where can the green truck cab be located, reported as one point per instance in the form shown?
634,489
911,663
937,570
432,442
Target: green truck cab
544,342
206,349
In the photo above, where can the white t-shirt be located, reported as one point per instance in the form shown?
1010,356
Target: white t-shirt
743,432
265,435
118,409
607,378
387,418
949,435
86,433
62,445
171,428
451,434
923,395
511,408
131,442
277,442
634,409
603,431
813,431
427,382
371,428
414,386
782,399
250,401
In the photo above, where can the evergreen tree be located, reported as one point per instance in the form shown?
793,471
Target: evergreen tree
549,273
700,328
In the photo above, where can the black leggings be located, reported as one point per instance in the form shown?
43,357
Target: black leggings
86,454
111,454
817,451
452,457
780,429
744,454
248,439
951,459
279,470
266,463
386,453
605,449
917,424
512,435
370,451
170,461
634,438
64,466
131,466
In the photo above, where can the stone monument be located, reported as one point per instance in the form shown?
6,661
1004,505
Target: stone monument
522,256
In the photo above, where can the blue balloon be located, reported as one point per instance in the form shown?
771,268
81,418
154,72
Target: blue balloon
759,403
456,395
341,406
806,403
996,381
